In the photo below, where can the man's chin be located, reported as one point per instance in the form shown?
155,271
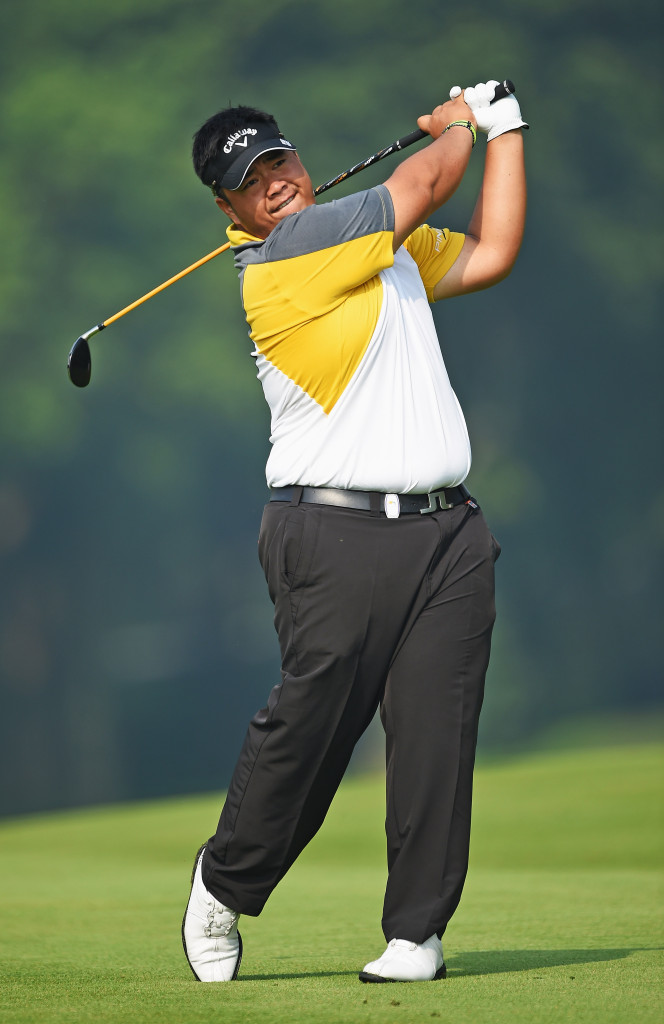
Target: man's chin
299,202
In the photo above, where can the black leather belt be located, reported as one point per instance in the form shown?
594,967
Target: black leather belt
391,505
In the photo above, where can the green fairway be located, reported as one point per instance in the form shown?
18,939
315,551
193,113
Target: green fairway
561,920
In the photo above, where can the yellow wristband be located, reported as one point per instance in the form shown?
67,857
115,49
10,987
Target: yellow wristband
463,124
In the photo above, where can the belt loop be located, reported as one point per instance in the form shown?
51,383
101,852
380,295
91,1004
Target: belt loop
375,503
296,497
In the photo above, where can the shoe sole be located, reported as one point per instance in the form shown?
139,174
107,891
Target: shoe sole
378,979
184,943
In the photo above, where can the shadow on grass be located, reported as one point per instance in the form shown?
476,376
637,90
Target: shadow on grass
298,974
505,961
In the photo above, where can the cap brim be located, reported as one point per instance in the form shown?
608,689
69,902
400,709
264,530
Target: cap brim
239,169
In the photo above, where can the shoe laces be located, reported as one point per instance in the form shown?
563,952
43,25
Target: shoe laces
402,944
220,920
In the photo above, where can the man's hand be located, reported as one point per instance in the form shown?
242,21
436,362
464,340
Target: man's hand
455,109
492,118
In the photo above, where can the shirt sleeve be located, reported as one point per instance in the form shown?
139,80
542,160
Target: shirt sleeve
434,250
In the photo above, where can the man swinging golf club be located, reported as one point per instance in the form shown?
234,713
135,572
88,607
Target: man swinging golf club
378,560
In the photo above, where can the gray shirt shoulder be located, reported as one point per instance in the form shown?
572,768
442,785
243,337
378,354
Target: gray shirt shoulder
320,227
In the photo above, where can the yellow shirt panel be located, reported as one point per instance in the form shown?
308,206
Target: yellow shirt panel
310,319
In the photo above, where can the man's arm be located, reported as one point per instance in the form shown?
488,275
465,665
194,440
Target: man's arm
426,180
496,227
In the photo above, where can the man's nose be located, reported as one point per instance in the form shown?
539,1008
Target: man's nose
275,184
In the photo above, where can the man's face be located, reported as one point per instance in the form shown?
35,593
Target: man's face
276,185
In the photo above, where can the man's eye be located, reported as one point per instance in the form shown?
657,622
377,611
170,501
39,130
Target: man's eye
249,183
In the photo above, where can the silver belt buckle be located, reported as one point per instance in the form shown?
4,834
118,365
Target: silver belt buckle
392,506
435,496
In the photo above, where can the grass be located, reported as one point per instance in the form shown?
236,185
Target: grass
561,920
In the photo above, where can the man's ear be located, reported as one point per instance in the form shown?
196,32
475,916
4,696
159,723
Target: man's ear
225,207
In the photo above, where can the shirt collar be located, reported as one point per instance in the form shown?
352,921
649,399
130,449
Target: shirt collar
238,236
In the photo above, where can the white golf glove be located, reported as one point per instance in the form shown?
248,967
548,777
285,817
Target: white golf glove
493,118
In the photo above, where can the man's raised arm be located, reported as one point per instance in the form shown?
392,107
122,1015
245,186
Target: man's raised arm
426,180
495,231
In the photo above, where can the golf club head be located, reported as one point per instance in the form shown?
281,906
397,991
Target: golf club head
79,363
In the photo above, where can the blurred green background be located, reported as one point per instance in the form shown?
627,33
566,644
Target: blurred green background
135,632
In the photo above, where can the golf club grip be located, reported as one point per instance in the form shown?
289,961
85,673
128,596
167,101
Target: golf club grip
505,88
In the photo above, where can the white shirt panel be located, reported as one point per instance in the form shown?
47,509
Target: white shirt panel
398,425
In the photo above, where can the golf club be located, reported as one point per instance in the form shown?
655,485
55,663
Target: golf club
79,362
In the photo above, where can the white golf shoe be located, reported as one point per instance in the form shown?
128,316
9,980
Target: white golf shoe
212,943
408,961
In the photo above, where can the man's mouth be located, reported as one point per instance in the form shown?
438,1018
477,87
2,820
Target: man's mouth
285,203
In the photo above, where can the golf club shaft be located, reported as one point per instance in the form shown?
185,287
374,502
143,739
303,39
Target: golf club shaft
402,143
166,284
505,88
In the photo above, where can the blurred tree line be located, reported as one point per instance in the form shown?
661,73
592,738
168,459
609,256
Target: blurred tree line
135,631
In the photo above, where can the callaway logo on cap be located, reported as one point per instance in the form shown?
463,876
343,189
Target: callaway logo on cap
243,146
239,138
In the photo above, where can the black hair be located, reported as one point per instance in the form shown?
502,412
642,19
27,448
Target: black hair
216,130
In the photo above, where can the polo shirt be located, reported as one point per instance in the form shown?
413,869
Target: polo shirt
346,348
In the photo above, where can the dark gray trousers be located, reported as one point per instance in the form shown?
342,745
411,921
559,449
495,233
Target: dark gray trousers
370,612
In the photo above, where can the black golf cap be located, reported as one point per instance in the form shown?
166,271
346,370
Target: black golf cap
243,145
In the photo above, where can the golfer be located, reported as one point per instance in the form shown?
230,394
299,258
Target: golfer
378,561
